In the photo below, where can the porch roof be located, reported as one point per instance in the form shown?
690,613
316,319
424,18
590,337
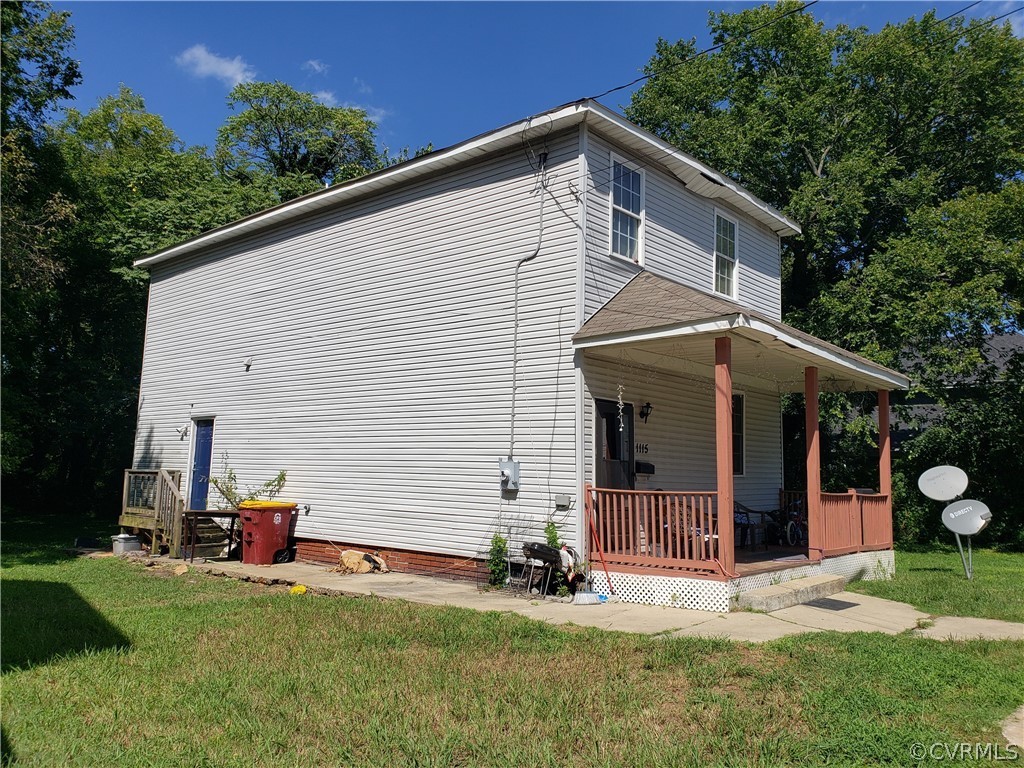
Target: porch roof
665,324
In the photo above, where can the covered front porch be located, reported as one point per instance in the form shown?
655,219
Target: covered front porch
719,513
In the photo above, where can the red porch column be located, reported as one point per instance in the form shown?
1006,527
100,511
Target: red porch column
815,520
884,448
723,450
885,457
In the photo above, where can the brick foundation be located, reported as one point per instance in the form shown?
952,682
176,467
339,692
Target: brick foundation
453,567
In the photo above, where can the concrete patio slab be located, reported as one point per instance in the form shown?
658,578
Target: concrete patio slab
858,613
842,612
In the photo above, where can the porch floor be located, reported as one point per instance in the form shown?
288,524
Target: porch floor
754,560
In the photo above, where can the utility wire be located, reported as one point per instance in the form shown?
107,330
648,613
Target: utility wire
712,49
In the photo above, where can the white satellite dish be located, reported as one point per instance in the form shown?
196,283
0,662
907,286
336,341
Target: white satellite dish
942,483
966,517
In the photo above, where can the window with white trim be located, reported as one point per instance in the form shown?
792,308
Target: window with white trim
725,255
627,210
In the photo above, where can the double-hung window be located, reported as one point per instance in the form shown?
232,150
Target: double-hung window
725,255
627,210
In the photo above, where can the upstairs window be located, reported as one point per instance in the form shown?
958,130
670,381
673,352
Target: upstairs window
627,210
725,255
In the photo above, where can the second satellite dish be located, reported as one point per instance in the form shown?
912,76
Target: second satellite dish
966,517
942,483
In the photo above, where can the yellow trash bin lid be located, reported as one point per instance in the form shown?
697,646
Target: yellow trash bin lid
262,504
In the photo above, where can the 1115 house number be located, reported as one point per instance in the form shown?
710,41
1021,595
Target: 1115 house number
641,448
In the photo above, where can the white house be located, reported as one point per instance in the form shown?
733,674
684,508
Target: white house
568,292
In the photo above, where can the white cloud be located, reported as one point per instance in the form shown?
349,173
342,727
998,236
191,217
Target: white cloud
201,62
361,85
326,97
376,114
316,66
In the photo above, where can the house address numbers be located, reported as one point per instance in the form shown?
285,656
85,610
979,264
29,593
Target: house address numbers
641,448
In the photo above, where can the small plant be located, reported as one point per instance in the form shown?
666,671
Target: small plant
227,486
551,534
497,561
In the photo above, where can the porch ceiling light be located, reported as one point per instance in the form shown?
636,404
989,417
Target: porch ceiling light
645,411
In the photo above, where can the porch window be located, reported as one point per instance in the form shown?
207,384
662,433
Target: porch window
738,430
725,255
627,210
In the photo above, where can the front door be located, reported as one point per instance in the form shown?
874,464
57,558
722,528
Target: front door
202,455
614,433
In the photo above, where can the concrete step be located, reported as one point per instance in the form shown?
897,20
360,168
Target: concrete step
790,593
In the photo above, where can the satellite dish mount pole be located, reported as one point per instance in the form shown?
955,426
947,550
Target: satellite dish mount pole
969,560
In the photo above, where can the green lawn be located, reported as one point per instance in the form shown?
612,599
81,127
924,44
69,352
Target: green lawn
933,581
106,662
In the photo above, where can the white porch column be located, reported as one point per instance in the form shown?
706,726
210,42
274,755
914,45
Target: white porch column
723,451
815,521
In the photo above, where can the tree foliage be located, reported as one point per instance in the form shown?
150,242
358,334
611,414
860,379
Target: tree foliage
901,153
35,63
288,135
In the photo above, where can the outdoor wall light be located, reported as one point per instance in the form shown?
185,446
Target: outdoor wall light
247,363
645,411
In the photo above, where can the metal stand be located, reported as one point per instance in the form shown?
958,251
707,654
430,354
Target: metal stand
969,560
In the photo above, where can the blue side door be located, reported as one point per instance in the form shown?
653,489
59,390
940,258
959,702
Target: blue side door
201,458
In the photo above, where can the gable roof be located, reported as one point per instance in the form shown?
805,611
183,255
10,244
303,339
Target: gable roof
652,309
696,176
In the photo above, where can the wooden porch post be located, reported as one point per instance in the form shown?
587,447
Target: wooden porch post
815,520
884,448
723,451
885,457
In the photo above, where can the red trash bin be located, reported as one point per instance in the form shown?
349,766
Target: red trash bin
266,528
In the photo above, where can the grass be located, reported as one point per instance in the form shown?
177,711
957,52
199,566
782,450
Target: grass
933,581
106,662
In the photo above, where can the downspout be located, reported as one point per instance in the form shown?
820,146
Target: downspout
542,170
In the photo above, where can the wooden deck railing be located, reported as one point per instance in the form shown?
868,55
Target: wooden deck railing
659,529
152,501
853,521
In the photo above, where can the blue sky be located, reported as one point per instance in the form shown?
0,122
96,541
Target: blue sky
426,72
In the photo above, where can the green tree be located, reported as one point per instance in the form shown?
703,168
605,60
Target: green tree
73,354
35,63
290,136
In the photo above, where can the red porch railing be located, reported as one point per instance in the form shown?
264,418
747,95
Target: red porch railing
853,521
656,529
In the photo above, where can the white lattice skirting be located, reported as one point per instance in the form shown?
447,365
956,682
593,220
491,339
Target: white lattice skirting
717,596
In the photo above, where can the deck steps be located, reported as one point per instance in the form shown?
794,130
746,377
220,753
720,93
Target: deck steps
790,593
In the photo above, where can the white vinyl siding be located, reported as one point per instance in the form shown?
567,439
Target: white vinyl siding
380,335
726,255
678,237
680,434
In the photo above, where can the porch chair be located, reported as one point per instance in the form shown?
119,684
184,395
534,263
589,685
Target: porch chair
749,521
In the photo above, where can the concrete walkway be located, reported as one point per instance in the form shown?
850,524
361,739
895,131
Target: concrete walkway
843,612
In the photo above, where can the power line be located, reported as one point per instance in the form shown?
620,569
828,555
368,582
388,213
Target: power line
712,49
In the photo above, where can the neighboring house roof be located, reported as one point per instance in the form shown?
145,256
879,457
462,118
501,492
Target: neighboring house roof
655,310
696,176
